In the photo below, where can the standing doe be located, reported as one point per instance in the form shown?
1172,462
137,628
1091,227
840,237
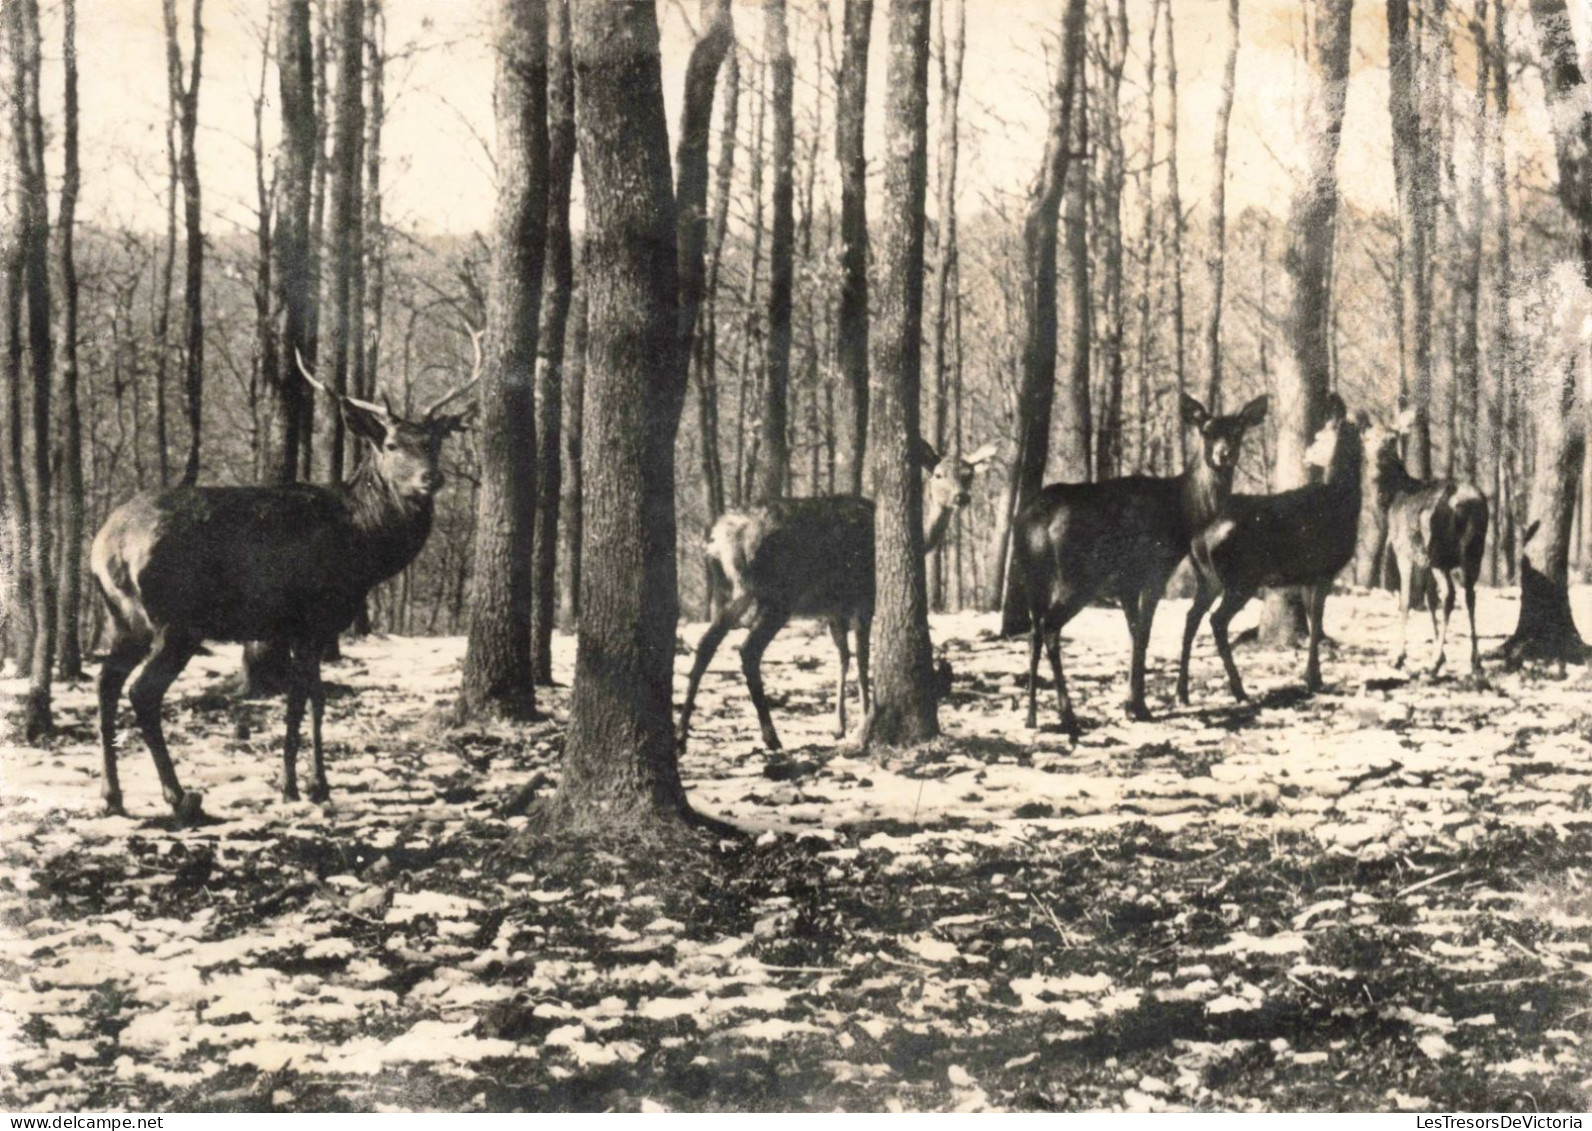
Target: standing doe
1123,537
1436,531
1302,537
812,558
289,563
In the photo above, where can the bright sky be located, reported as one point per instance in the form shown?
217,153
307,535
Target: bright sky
440,119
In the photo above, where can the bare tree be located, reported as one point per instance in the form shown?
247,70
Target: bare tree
772,474
1037,390
904,709
33,236
1415,174
560,281
851,331
953,48
498,677
574,446
185,102
1303,376
66,360
1546,629
1174,200
621,772
346,170
1216,252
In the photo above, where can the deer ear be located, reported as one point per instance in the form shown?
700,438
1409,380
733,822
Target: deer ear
1194,414
1337,411
1407,419
980,455
1255,411
1530,530
364,422
923,453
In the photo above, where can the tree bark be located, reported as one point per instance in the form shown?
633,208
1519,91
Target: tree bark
347,136
771,476
852,331
1174,202
33,213
560,282
1111,164
16,599
1415,176
952,50
1037,385
1501,561
621,771
498,678
1216,262
904,710
1546,629
185,100
574,443
1303,377
71,664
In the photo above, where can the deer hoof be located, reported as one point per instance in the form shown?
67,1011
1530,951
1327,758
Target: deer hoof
1139,713
319,793
113,805
189,806
1398,664
290,792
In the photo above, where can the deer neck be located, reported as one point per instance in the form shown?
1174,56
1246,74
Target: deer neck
1393,479
392,527
1202,489
936,525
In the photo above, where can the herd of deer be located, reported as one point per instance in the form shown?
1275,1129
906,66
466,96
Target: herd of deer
293,563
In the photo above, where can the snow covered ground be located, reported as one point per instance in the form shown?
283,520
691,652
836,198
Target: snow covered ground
1370,898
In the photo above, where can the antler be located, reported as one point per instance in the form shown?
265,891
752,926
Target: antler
475,377
355,401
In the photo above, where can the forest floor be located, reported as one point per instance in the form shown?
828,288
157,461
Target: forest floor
1375,898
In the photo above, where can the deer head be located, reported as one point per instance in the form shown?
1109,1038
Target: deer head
1323,450
950,480
1222,437
404,453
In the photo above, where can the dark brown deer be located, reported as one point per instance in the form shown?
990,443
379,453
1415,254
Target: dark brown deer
811,558
1436,531
1121,537
1302,537
291,563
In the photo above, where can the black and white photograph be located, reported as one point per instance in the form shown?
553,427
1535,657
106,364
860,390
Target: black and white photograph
604,556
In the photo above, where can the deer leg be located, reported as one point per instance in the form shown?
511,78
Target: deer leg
864,683
1315,609
837,631
1148,600
1470,611
709,644
765,626
1054,622
296,695
1406,603
1451,582
170,654
125,654
1204,597
1036,642
1430,585
310,674
1226,610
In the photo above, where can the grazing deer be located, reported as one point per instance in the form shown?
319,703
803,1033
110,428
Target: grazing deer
1124,537
812,558
1436,531
1302,537
290,563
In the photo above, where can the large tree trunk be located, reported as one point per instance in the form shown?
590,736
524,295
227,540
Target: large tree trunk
1501,416
851,335
952,49
560,282
771,478
1546,630
185,98
1037,384
1467,364
265,663
705,351
66,358
1415,175
34,222
1217,253
904,709
498,678
1174,200
621,771
1303,378
574,500
347,138
1111,161
16,599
